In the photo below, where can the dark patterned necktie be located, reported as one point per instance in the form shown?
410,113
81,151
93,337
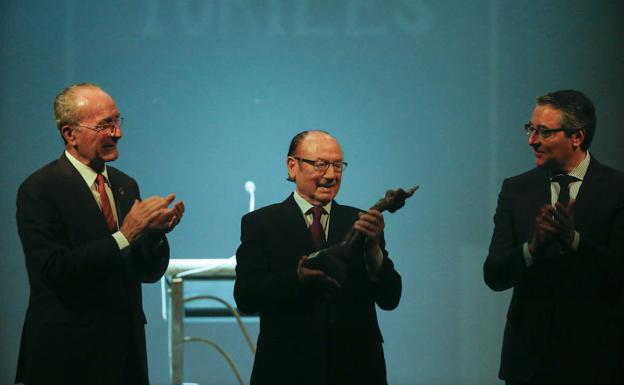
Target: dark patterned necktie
106,206
564,181
316,229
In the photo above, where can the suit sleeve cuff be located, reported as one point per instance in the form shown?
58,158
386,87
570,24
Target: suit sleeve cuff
373,264
377,258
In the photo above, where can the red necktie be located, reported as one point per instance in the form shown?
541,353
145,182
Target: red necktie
316,229
106,206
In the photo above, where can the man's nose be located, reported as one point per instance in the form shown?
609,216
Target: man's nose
116,132
330,173
533,138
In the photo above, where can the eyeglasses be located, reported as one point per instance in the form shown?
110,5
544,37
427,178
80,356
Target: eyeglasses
323,165
543,133
106,128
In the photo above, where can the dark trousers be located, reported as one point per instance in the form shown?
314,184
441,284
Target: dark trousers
133,374
548,372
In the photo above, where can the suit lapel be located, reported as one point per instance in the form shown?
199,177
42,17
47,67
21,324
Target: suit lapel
543,192
590,190
80,196
339,224
123,200
296,227
529,197
536,193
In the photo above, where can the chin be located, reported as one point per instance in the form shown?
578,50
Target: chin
328,198
324,198
111,156
540,161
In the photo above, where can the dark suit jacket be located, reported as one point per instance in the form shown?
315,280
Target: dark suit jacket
304,337
574,299
85,294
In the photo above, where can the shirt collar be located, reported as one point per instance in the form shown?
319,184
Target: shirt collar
304,205
581,169
86,172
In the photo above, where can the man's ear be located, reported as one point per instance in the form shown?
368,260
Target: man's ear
291,163
67,132
579,137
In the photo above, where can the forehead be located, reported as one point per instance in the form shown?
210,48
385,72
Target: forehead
320,145
94,103
546,115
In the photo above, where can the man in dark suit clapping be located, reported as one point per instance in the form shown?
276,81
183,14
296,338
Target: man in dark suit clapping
89,243
559,243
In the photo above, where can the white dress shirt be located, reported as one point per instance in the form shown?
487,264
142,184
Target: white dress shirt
305,207
90,177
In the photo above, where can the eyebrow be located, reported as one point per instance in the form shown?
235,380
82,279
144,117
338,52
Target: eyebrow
542,127
109,119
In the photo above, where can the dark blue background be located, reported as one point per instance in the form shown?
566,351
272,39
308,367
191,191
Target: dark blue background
418,92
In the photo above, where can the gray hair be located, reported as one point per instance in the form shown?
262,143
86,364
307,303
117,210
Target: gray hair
65,109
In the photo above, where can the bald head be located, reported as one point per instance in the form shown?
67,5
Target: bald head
314,134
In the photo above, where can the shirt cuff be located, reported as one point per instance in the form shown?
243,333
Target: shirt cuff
576,241
528,258
121,240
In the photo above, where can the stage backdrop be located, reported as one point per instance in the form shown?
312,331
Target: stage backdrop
424,92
